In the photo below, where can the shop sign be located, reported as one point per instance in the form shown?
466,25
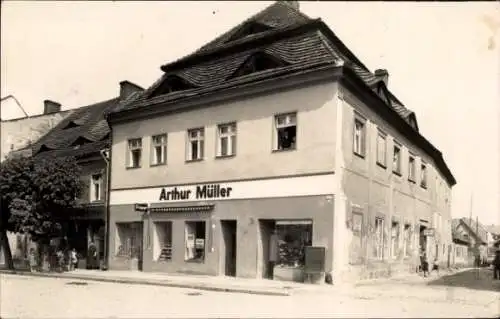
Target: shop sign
429,232
199,243
199,192
141,207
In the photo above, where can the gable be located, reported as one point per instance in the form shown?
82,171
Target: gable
258,62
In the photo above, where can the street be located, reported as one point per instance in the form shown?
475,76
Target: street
460,295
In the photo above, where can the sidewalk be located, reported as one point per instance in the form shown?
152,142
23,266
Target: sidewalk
212,283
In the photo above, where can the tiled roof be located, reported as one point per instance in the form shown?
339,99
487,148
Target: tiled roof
477,228
207,73
83,132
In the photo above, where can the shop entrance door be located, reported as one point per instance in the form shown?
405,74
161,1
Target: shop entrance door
229,237
266,228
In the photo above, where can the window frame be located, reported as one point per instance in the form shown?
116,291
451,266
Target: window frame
231,135
381,135
163,145
407,240
379,241
412,176
200,139
395,240
358,118
92,198
277,127
397,170
423,175
130,150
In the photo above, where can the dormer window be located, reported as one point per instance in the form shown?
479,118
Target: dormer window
257,63
172,83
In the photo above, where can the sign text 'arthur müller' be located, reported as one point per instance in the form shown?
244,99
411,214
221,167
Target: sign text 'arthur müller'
211,191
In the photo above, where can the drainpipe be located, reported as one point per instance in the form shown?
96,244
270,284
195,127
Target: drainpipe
105,153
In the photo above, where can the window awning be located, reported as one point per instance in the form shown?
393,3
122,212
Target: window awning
182,209
293,222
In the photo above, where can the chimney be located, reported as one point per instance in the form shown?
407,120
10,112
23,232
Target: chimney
383,75
50,107
127,88
293,4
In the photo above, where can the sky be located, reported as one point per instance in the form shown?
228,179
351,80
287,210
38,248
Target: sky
443,60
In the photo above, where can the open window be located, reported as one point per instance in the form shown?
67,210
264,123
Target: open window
258,62
285,131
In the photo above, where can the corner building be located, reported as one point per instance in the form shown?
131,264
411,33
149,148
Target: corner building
274,127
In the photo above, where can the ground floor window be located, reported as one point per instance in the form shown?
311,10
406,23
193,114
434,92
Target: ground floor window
394,239
195,232
293,237
129,239
379,238
162,247
407,240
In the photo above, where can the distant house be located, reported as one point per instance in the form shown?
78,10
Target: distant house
461,245
476,234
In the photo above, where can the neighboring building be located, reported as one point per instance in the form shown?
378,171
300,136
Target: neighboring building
475,233
274,125
84,134
461,245
16,135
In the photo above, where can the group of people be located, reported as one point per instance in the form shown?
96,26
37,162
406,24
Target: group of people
424,264
59,261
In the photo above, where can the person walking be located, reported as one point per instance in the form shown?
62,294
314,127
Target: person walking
496,265
73,259
425,264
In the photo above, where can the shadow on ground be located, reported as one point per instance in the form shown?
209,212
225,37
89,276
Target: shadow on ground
479,279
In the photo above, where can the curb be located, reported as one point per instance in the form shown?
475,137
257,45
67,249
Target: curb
162,283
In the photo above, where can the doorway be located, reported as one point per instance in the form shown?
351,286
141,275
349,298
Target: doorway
229,237
266,228
423,239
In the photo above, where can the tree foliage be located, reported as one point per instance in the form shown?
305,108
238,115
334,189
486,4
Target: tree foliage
38,194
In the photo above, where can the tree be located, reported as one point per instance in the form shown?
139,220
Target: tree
37,196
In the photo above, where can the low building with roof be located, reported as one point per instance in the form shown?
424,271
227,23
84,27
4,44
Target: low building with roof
85,135
274,152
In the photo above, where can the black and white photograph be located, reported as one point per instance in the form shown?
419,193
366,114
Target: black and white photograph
249,159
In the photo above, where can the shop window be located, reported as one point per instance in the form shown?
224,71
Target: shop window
226,141
293,236
134,153
382,149
286,131
359,144
129,240
95,187
379,238
407,244
394,239
162,248
195,241
159,149
196,144
356,251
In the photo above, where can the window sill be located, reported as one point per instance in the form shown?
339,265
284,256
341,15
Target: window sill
221,157
423,186
382,165
284,150
411,181
359,155
396,173
195,261
194,160
133,167
159,164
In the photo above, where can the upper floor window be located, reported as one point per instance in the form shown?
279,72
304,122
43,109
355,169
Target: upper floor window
286,131
423,177
226,142
196,144
396,159
411,168
134,152
95,187
159,149
359,136
382,149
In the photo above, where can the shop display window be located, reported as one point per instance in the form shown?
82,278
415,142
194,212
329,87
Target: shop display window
195,233
293,238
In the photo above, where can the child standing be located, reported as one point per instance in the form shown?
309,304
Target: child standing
73,260
32,260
